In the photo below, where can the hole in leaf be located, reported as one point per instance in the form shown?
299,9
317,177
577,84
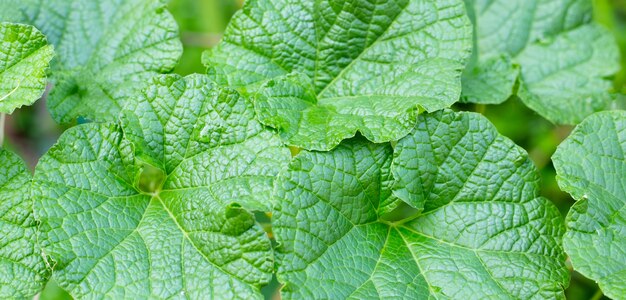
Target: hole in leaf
151,179
401,214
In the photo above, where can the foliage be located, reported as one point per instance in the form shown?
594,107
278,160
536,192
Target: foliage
106,50
22,268
559,57
369,65
185,187
184,231
499,229
25,55
591,165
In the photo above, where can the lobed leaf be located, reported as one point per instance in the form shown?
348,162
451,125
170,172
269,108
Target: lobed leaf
106,50
161,205
369,64
22,269
483,231
591,166
24,57
564,59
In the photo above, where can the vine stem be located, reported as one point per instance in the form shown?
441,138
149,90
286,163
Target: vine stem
598,295
2,118
481,108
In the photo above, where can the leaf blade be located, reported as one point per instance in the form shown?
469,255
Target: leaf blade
106,51
24,271
458,247
25,58
190,236
564,58
404,55
590,165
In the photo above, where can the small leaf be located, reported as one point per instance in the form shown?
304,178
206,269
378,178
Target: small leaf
22,268
370,64
484,232
591,166
491,82
24,57
187,230
564,58
106,50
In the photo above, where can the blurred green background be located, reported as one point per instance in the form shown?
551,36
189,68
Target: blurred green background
31,132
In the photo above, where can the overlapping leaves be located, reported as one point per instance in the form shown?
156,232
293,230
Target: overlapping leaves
24,57
554,52
591,166
361,65
160,206
480,229
106,50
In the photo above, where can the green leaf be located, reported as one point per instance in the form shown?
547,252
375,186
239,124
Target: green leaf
484,232
491,82
106,50
160,206
22,268
591,166
370,64
24,57
564,58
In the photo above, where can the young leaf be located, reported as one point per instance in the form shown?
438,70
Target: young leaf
490,82
563,57
370,64
591,166
172,221
22,268
24,57
483,233
107,50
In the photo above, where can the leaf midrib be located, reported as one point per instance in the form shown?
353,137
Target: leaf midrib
352,62
415,258
191,241
21,61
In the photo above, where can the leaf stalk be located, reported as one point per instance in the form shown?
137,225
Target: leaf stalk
2,119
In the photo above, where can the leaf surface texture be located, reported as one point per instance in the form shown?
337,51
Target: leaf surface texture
106,50
24,57
364,65
22,269
479,228
591,166
560,57
161,206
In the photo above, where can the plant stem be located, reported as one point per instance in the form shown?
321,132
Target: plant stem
2,118
480,108
598,295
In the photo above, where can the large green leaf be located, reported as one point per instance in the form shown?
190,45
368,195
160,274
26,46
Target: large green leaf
106,50
370,64
591,166
24,57
173,220
563,57
483,231
22,268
